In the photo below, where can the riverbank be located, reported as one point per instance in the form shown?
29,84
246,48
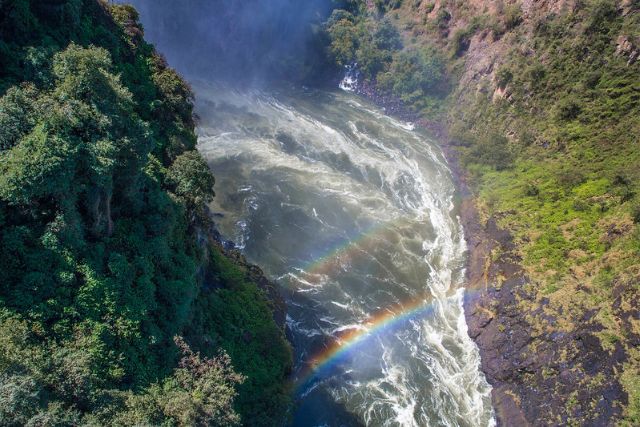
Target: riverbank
520,362
481,270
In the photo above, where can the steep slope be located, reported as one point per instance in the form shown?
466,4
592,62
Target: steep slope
541,101
117,305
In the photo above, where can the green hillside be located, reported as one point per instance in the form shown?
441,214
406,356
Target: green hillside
115,308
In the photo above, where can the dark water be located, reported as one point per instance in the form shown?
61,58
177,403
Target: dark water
351,212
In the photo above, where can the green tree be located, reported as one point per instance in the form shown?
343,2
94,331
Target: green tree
190,179
200,393
344,37
415,74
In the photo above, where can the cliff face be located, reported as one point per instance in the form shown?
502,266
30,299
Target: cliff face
543,115
553,243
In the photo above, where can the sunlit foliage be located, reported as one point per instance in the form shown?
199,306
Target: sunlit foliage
102,195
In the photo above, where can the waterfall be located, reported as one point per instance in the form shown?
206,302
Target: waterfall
349,82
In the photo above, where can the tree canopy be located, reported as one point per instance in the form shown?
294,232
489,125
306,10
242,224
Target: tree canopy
102,195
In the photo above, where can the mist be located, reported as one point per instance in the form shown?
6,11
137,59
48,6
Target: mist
243,40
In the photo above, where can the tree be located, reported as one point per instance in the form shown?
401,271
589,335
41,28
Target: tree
191,181
200,393
344,37
415,74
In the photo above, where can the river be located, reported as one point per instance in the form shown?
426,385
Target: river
352,213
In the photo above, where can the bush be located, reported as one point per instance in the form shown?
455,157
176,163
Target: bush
429,7
370,44
512,16
385,5
504,76
414,74
190,179
442,18
462,37
490,150
568,109
200,392
527,137
600,15
536,74
592,79
635,213
461,41
569,178
344,36
531,190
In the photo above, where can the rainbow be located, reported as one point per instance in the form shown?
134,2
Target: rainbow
387,319
375,325
349,247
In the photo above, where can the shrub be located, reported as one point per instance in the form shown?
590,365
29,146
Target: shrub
527,137
384,5
461,41
370,44
592,79
568,108
386,36
512,16
200,392
600,14
635,213
504,76
536,74
344,37
414,74
569,178
490,150
429,7
531,190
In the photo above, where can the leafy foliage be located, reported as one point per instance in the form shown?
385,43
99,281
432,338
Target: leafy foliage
414,75
370,44
200,392
101,194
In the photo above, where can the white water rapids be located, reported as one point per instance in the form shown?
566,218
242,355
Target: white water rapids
352,213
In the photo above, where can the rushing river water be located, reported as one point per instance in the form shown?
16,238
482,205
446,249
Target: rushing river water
351,212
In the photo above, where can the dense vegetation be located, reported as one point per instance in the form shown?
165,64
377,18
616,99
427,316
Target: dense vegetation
415,74
544,110
102,200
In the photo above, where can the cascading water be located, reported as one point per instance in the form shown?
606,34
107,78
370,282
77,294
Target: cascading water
351,77
351,211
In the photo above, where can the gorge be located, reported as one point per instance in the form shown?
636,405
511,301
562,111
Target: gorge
319,212
352,212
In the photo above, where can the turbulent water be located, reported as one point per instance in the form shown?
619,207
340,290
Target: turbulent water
352,213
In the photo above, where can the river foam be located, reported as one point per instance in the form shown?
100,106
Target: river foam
352,211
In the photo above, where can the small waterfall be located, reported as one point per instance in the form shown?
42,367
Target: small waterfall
349,82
